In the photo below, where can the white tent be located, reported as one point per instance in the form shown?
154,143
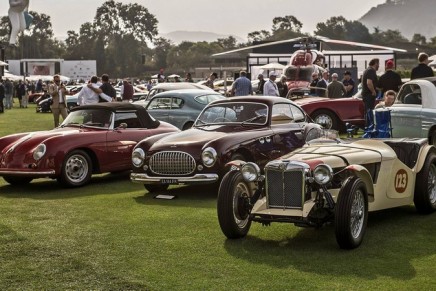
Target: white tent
273,66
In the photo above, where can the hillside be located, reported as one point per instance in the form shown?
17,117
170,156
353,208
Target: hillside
195,36
408,16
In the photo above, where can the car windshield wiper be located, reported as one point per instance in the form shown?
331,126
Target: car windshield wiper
250,120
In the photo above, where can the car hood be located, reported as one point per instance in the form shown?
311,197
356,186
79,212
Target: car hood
343,154
195,138
31,140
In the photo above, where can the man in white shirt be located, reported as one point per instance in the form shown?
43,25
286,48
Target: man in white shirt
270,88
88,95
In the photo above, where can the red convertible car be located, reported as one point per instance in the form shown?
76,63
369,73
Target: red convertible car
334,113
92,139
241,128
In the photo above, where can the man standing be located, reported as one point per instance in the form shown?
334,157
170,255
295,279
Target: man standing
242,86
313,83
336,89
349,84
126,91
322,85
212,78
58,93
369,83
390,80
422,70
270,88
105,88
8,94
259,90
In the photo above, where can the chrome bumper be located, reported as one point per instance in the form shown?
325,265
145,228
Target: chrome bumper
196,179
27,173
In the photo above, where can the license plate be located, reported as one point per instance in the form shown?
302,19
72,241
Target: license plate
169,181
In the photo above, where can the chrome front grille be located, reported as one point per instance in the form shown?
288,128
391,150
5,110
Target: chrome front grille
172,163
285,188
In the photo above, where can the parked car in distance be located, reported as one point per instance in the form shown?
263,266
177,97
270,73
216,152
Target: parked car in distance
93,139
180,107
162,87
414,112
334,113
330,181
251,128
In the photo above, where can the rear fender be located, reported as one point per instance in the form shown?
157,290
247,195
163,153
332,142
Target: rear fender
362,173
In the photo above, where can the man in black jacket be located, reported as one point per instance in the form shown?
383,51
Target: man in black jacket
422,70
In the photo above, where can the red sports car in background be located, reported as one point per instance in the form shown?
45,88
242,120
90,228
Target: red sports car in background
334,113
92,139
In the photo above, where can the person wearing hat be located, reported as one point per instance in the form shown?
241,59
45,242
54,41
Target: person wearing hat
210,80
390,80
270,88
335,88
242,85
262,81
349,84
422,70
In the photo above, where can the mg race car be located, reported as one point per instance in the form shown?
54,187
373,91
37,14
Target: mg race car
329,181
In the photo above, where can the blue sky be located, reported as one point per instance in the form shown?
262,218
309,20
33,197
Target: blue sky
238,17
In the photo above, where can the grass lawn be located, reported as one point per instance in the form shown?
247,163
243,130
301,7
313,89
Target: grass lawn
111,234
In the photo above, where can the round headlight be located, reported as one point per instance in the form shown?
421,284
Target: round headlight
208,156
39,152
250,172
138,157
323,174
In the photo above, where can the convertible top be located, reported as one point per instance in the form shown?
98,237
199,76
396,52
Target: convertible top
143,115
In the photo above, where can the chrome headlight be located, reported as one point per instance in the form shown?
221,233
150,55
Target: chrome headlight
323,174
208,156
250,172
138,157
39,152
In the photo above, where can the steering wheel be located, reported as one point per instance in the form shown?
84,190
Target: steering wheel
221,119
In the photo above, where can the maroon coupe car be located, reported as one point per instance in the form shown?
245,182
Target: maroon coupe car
92,139
241,128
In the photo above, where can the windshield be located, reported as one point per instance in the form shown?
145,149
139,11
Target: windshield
234,112
89,117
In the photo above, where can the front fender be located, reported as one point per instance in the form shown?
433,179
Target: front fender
146,143
362,173
236,164
423,156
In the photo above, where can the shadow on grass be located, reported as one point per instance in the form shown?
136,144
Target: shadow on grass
394,238
190,196
51,189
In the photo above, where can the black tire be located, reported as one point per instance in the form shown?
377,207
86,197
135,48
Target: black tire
232,205
326,118
151,188
76,169
351,214
14,180
425,189
188,125
238,156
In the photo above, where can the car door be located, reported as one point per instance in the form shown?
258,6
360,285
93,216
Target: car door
179,112
121,140
287,123
406,113
159,108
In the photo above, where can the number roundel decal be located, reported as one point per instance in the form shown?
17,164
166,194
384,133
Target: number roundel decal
401,180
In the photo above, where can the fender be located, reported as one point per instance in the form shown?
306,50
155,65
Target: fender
423,156
362,173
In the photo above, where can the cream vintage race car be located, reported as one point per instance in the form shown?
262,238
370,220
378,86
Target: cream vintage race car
330,180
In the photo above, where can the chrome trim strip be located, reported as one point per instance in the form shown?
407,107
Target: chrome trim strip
196,179
27,173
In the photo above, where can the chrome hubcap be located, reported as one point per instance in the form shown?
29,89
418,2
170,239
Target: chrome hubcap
324,120
241,193
76,168
357,214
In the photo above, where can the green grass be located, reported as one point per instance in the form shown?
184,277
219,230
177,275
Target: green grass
112,235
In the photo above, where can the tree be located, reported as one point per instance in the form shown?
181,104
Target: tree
419,39
288,22
256,36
